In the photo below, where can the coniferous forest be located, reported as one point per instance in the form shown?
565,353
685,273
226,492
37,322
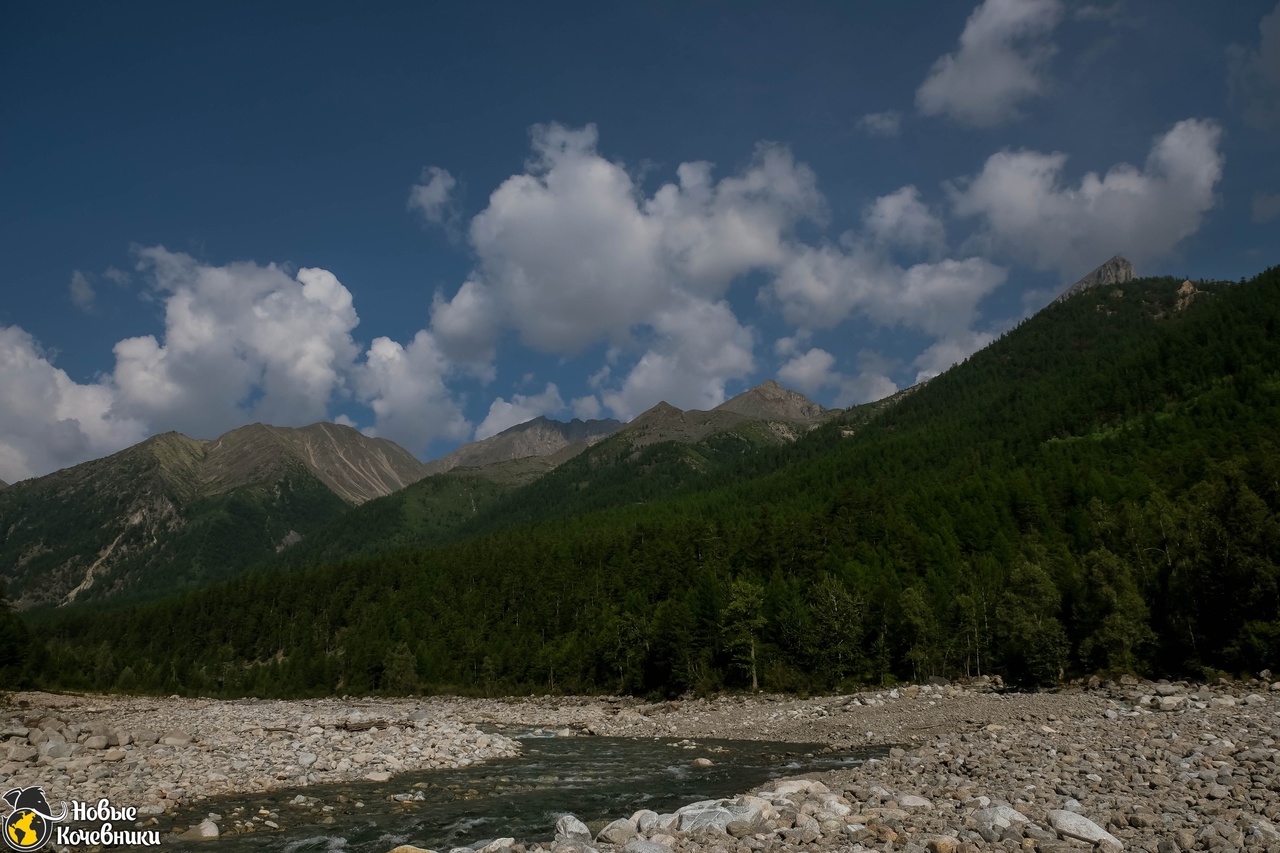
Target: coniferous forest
1097,491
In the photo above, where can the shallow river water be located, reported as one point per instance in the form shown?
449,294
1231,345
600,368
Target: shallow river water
595,778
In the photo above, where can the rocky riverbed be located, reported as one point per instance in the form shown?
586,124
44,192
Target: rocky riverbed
1127,765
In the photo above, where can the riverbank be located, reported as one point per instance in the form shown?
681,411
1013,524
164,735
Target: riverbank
1186,766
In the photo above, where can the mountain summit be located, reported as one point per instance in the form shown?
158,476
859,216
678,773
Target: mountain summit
770,401
540,437
1117,270
175,511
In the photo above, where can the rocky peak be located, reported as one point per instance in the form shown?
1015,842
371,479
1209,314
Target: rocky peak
540,437
771,401
1117,270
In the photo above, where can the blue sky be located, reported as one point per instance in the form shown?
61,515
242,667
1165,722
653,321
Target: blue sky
433,223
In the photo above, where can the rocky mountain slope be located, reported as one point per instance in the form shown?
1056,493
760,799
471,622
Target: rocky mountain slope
174,511
1116,270
539,438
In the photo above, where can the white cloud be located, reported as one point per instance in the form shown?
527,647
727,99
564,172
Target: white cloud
48,421
887,123
571,252
241,342
814,370
587,408
1255,73
900,219
432,195
699,345
1266,207
1029,210
949,351
521,409
405,387
822,287
1001,61
81,291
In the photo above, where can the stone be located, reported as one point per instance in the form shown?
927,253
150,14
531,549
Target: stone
116,754
498,845
1079,827
409,848
619,832
942,844
63,750
96,742
1170,703
702,762
175,738
911,801
378,776
21,753
639,845
306,759
569,828
645,820
205,830
1117,270
705,815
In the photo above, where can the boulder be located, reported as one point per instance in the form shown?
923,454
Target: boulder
1072,825
645,820
619,832
639,845
205,830
96,742
569,828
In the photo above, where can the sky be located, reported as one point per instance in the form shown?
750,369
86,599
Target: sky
435,221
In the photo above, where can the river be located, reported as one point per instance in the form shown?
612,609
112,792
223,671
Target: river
595,778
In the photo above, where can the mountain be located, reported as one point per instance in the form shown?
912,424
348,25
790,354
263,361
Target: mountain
1094,491
173,512
662,452
771,402
3,484
539,438
1117,270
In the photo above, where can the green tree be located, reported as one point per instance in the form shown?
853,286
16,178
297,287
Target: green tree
743,619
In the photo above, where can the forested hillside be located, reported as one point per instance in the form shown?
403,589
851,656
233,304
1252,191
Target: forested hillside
1098,490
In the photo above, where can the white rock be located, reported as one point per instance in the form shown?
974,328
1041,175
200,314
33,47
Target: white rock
569,828
1079,827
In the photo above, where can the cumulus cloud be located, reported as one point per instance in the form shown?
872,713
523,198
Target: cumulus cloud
405,387
587,408
814,370
901,219
1029,210
432,195
821,287
1266,207
949,351
887,123
572,252
521,408
81,291
49,421
699,346
1004,50
1255,74
241,341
